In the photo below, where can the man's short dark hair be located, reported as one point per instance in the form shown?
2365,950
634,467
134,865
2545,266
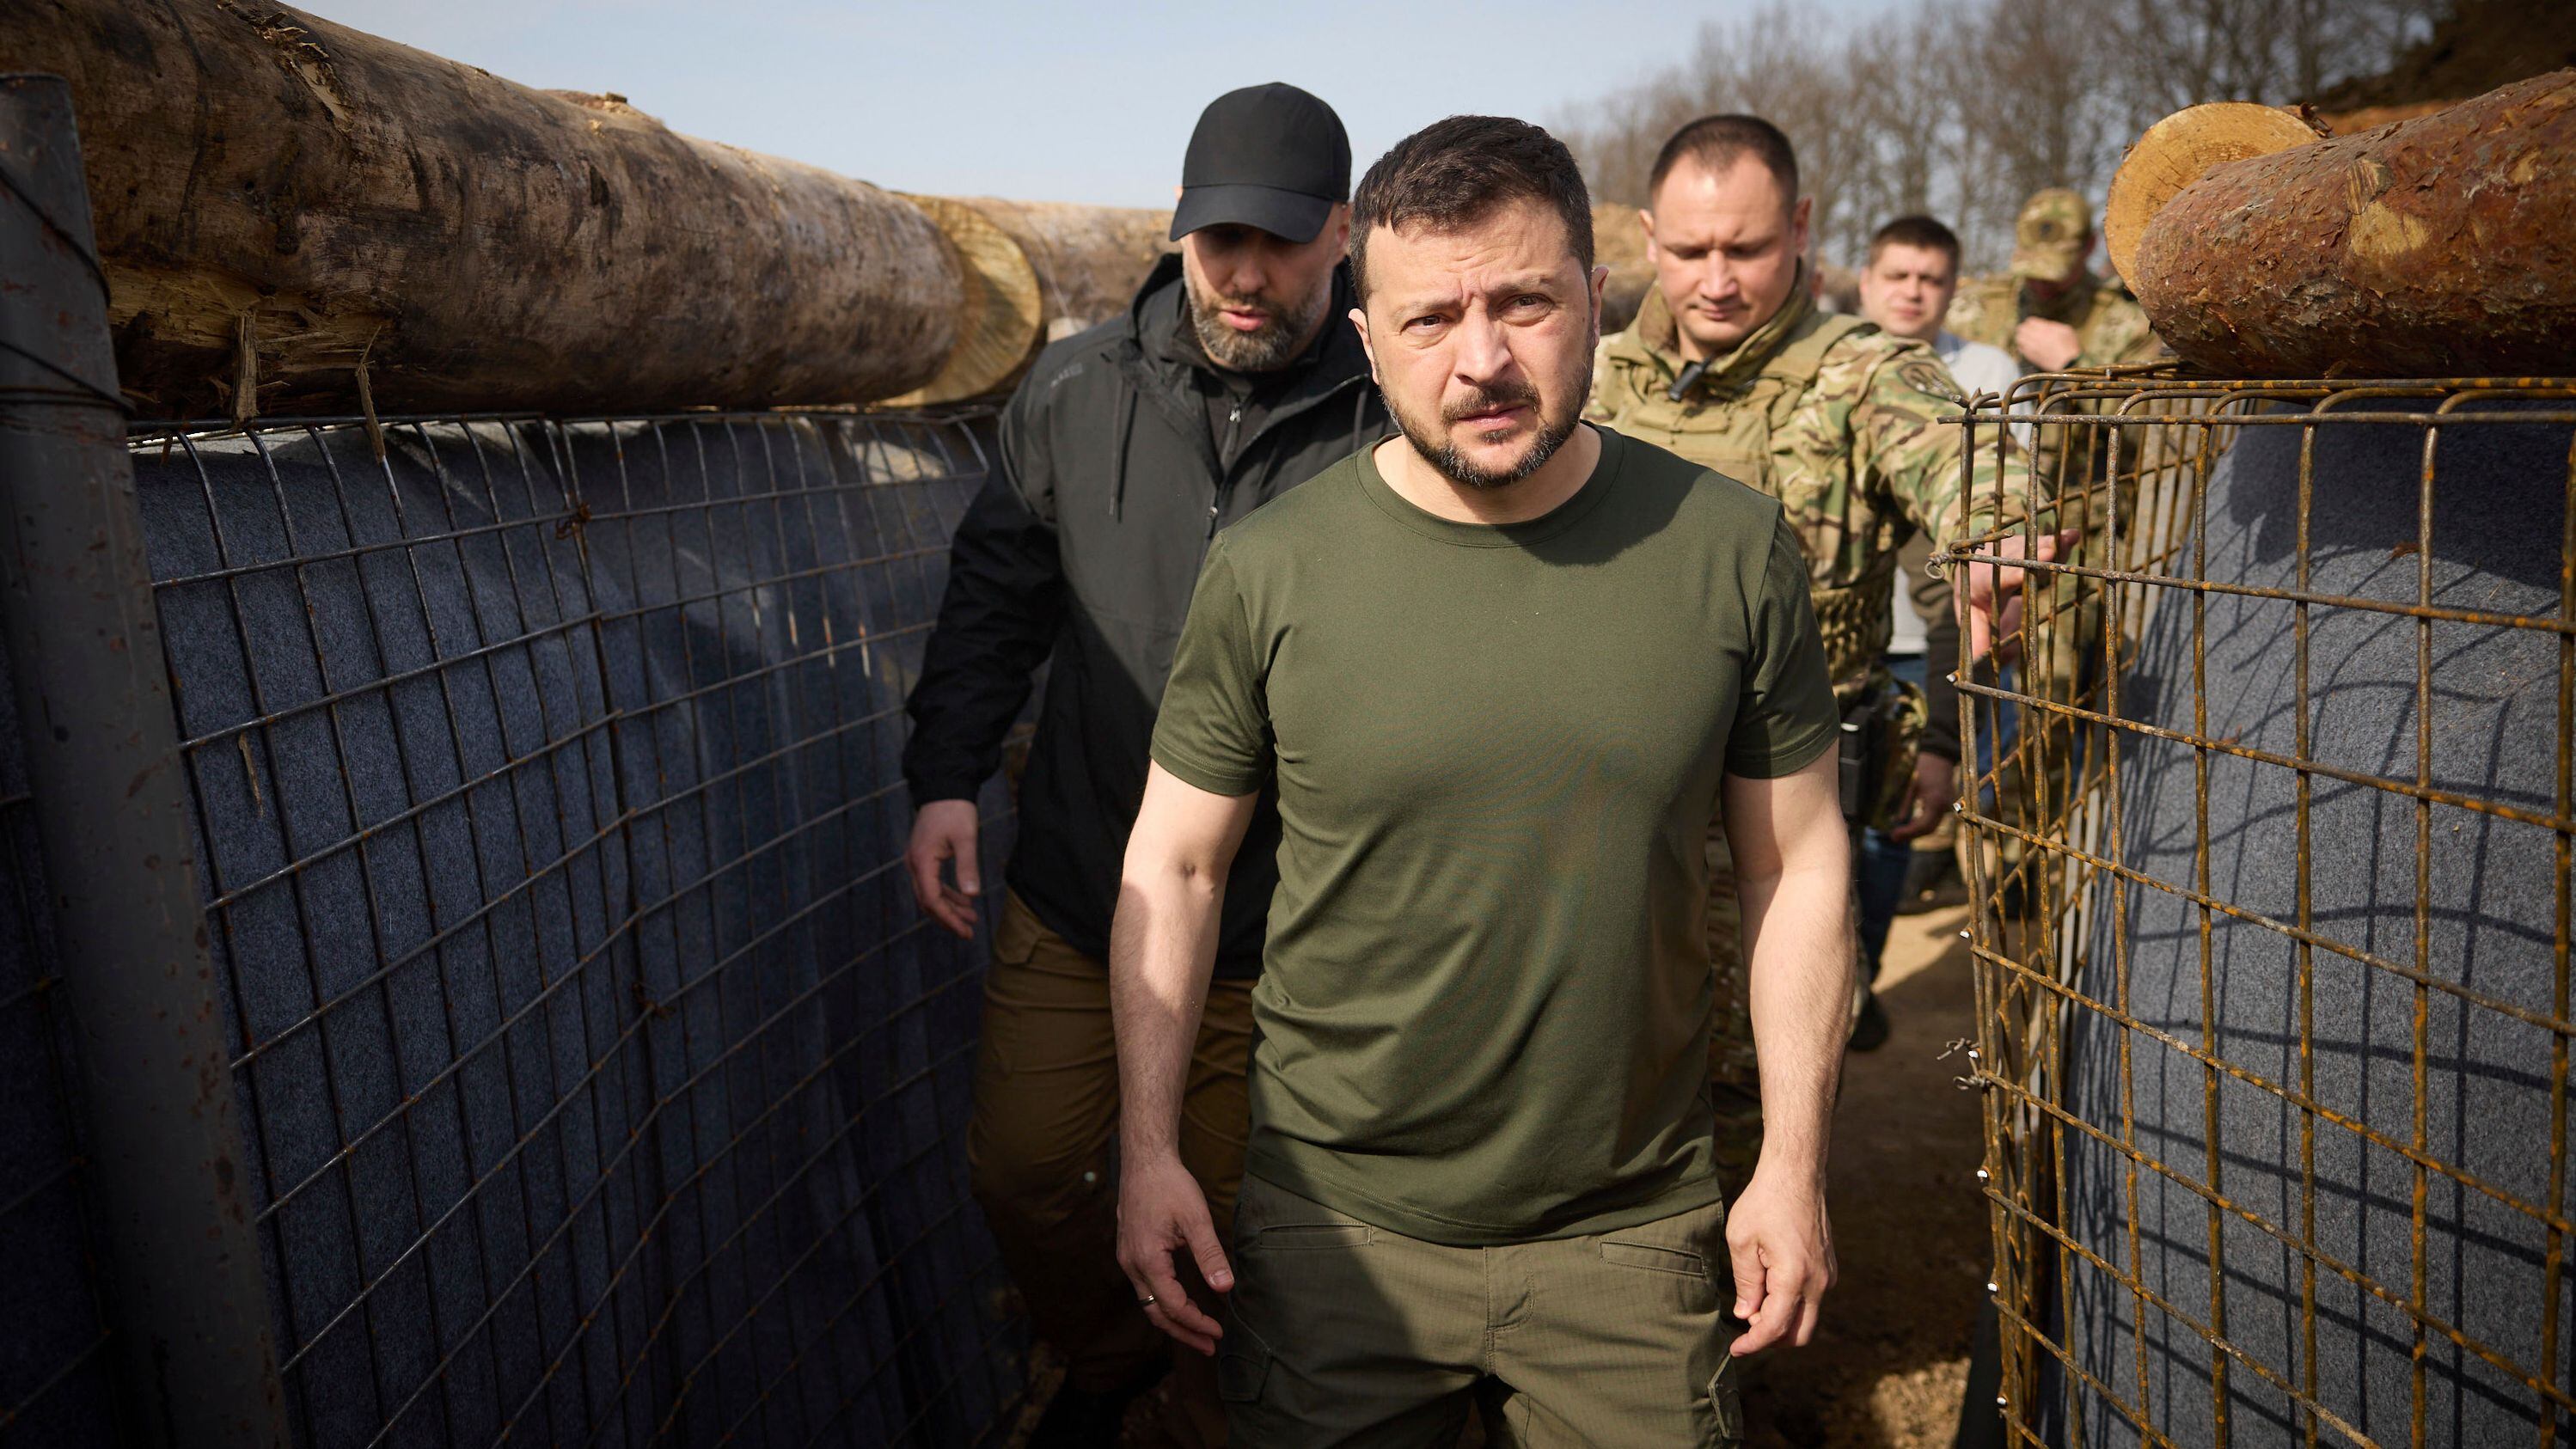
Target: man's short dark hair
1916,231
1718,142
1454,173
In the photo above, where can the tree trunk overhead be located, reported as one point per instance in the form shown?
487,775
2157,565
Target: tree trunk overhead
2179,150
1089,259
278,197
1000,311
2436,247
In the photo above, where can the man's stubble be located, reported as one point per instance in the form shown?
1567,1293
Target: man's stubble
1436,449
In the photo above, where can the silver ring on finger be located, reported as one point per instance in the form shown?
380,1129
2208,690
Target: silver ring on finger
1145,1302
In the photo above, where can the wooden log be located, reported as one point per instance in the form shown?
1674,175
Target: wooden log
2435,247
278,198
2179,150
1089,260
1001,320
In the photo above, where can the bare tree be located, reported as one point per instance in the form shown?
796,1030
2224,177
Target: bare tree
1964,107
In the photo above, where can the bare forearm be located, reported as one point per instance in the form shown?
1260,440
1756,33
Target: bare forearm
1799,928
1162,947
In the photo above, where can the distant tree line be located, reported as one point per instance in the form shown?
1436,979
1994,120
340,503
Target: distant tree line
1961,108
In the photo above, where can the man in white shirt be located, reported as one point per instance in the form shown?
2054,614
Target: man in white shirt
1912,273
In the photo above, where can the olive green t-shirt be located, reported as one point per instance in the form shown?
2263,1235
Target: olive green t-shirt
1483,1014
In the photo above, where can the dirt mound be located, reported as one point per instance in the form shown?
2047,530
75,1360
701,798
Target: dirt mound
2484,44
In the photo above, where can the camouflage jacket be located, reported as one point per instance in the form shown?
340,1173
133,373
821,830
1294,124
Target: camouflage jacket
1835,419
2109,325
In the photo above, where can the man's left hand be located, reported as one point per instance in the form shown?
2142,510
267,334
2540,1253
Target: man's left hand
1936,785
1993,612
2048,346
1783,1251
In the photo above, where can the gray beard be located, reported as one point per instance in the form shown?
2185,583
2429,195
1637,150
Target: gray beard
1269,348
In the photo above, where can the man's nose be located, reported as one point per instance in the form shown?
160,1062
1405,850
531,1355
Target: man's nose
1248,272
1717,280
1483,352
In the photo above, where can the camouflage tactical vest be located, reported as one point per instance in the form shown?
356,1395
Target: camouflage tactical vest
1725,421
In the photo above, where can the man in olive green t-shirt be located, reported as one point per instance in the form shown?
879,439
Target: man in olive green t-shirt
1500,681
1501,671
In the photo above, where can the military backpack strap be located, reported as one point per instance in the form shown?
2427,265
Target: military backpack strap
1793,369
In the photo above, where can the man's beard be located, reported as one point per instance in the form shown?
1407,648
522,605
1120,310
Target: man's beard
1267,348
1440,453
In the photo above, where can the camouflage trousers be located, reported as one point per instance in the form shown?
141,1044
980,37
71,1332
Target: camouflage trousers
1734,1074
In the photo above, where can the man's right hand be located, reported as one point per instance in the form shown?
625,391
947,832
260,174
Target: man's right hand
1161,1211
942,831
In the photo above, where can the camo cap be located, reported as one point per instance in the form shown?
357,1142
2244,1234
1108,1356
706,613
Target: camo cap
2052,236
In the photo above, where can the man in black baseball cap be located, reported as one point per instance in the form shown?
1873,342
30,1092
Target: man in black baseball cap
1228,380
1268,156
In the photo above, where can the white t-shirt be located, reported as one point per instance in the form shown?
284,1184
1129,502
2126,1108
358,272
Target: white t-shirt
1979,369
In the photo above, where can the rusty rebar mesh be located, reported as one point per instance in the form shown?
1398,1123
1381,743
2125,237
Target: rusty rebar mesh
2270,863
602,1084
54,1385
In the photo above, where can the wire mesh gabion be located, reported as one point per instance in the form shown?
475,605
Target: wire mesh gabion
2270,857
601,1084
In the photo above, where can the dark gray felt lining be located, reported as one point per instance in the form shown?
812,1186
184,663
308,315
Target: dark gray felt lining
603,1083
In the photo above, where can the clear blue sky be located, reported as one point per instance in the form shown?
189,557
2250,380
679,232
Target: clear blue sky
1049,102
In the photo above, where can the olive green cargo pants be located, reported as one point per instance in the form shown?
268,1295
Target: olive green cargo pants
1343,1334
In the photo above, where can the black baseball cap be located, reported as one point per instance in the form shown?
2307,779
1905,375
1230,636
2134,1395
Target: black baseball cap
1269,156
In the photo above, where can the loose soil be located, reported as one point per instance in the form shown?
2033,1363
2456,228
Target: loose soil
1891,1357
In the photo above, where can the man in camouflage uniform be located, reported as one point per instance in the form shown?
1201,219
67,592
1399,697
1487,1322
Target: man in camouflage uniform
2054,315
2050,312
1730,364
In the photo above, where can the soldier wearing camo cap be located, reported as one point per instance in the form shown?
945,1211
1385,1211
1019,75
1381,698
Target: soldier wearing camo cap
1731,364
2050,312
2054,315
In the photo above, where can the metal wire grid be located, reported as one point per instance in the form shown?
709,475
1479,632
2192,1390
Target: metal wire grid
602,1084
53,1366
2271,876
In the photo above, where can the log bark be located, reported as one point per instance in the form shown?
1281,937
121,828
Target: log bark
1001,320
1089,260
279,198
2179,150
2436,247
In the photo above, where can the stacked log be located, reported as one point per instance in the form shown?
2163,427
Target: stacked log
2434,247
298,217
1039,270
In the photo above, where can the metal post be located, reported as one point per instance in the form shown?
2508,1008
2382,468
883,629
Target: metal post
191,1323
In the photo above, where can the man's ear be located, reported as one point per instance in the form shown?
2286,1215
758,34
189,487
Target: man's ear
1339,224
1600,281
1359,324
1798,218
1646,224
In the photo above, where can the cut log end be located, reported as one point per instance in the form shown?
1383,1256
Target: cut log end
1000,315
2179,150
2435,247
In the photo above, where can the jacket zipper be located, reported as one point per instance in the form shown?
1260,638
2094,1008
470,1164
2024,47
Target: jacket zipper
1225,467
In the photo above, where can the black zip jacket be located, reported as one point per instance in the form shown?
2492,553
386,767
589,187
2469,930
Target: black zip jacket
1080,552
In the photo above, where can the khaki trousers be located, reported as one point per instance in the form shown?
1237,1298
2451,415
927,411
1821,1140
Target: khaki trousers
1343,1334
1039,1151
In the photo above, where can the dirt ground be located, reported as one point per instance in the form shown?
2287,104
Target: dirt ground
1891,1356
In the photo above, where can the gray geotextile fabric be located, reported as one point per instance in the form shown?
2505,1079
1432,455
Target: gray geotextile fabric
2498,522
602,1085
